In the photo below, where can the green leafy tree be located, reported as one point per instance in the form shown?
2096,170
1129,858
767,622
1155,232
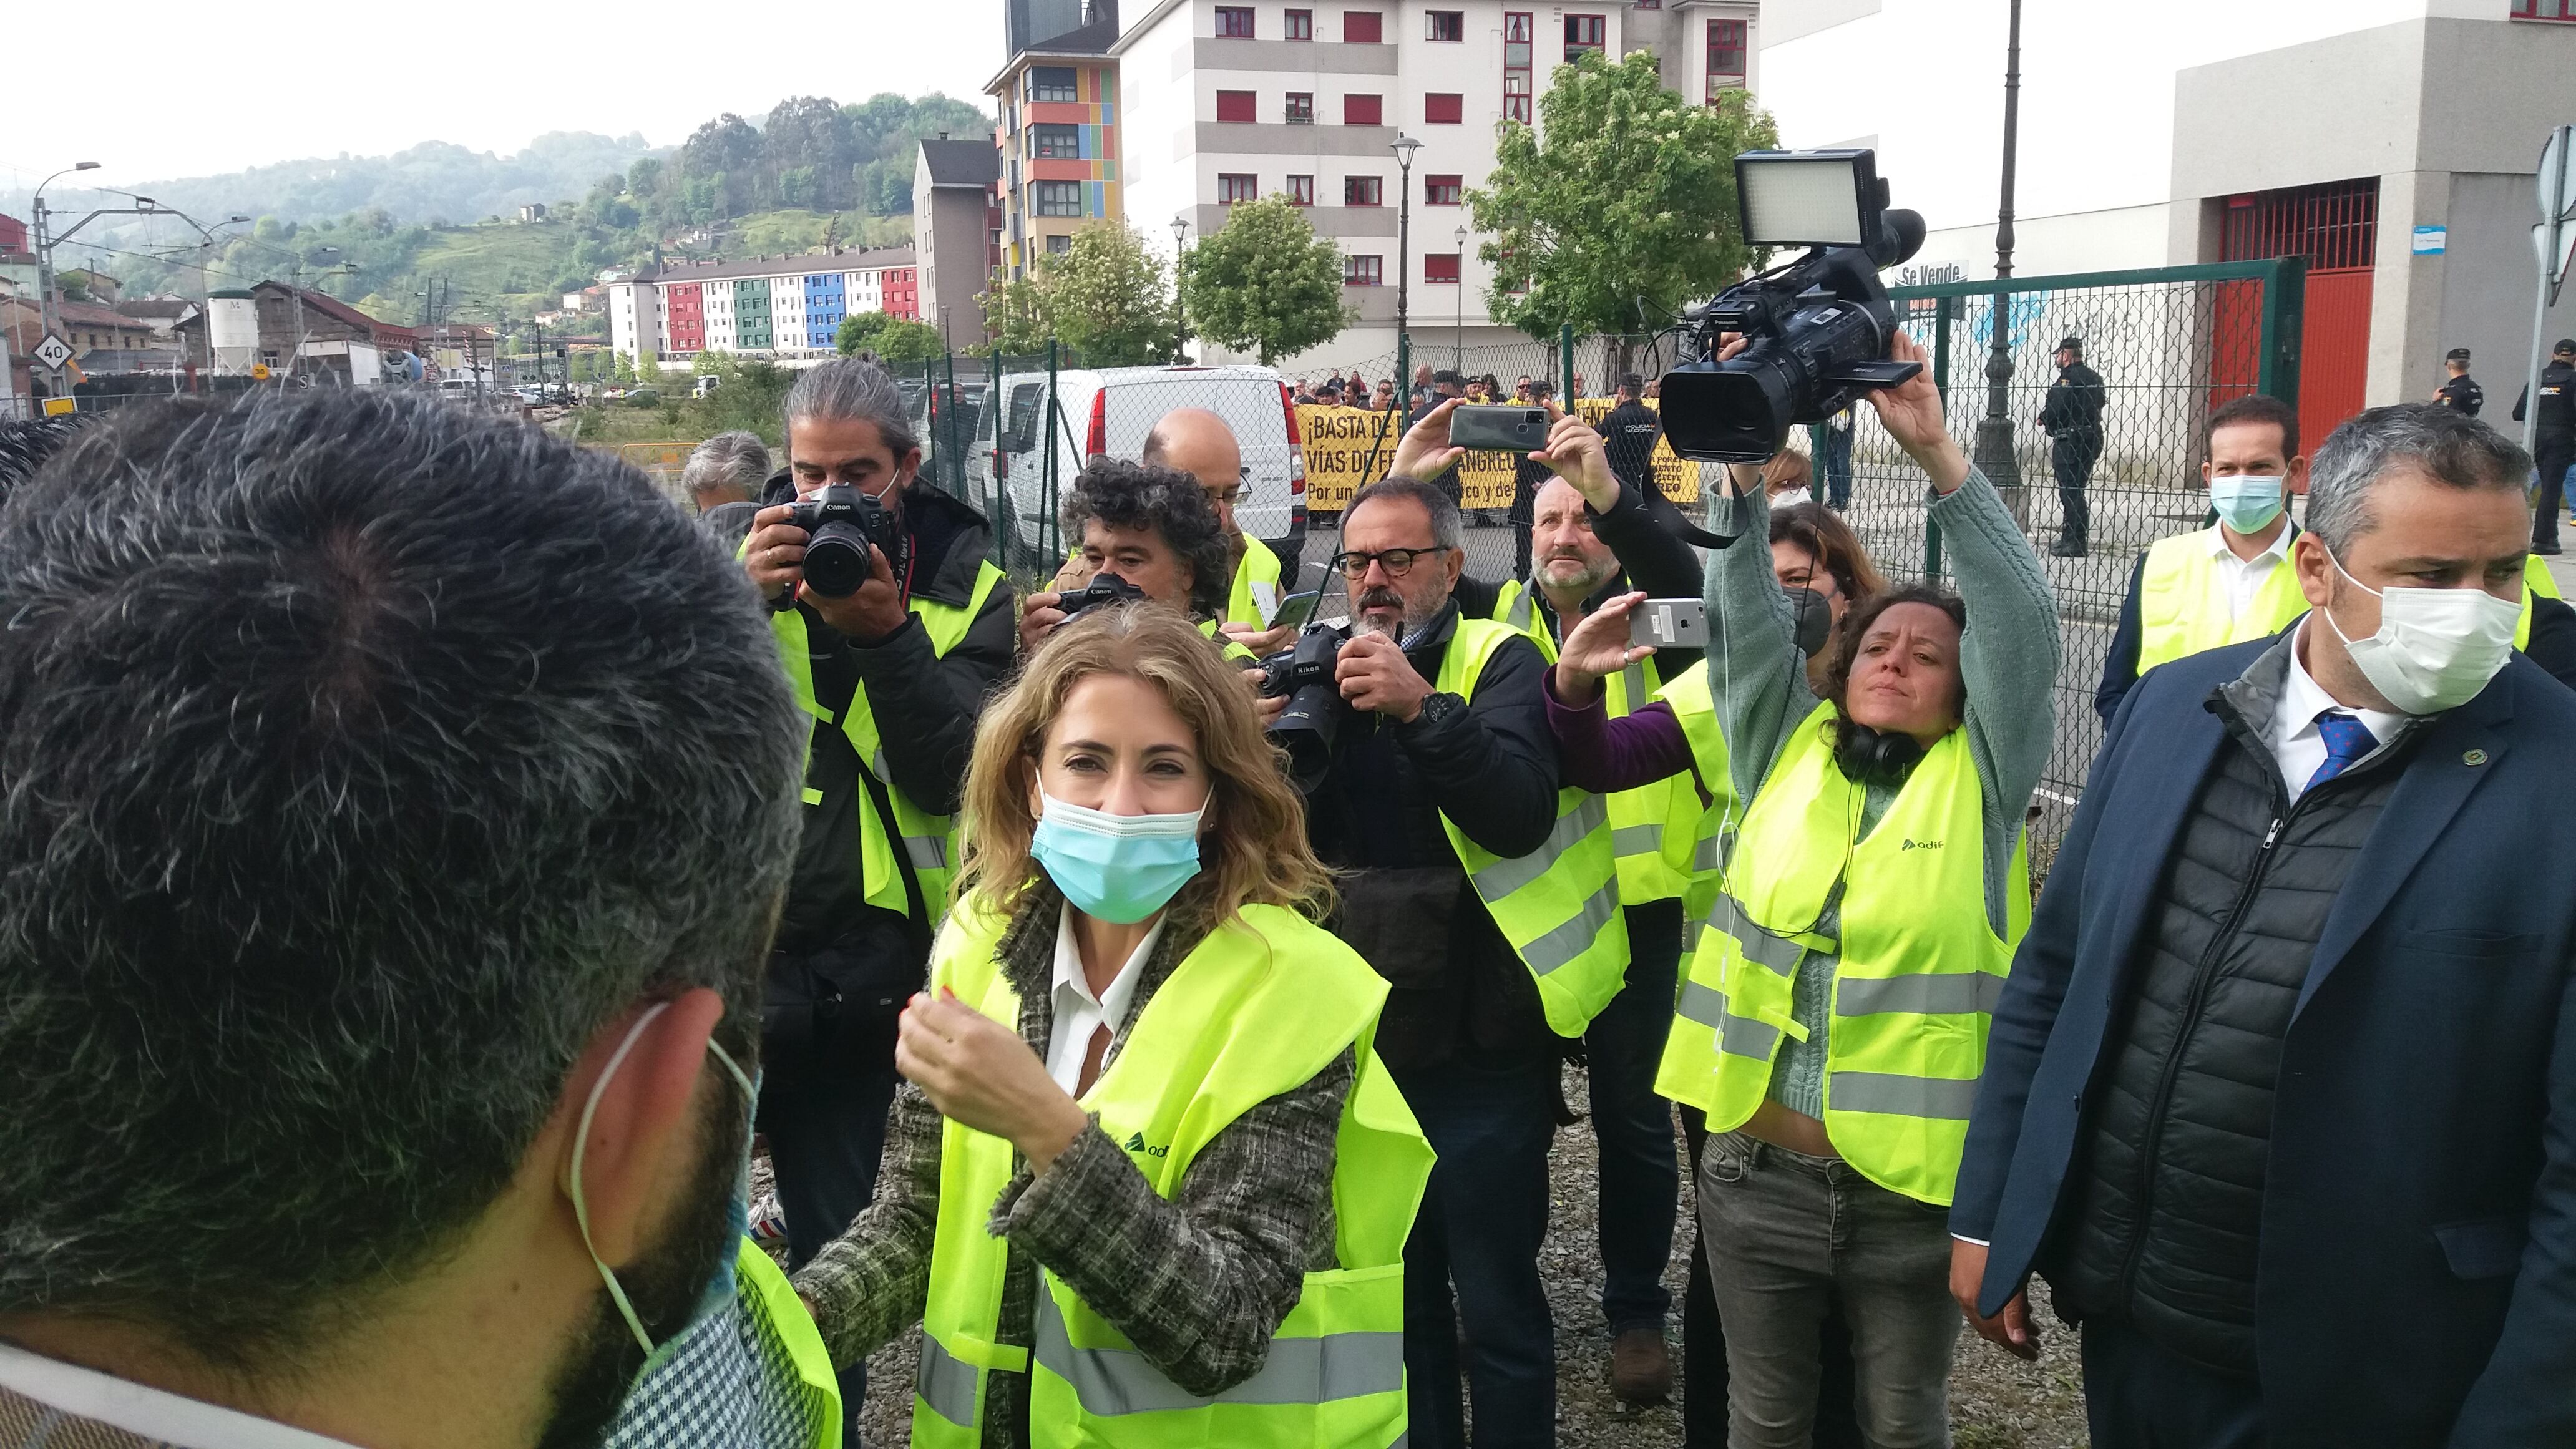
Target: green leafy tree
1265,283
1620,207
890,339
1106,297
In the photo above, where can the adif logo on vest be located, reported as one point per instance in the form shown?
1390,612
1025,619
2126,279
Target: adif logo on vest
1136,1143
1918,845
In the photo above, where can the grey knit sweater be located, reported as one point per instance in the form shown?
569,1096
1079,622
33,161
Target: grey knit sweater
2008,657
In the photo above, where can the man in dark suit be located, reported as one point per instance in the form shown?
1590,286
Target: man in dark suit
2281,1092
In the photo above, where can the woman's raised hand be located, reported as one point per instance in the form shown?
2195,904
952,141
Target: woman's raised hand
1598,647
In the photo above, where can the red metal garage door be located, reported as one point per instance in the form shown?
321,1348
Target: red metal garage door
2335,228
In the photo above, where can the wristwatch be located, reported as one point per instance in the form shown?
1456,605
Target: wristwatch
1437,707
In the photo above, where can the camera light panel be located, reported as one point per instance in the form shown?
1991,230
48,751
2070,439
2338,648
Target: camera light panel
1803,200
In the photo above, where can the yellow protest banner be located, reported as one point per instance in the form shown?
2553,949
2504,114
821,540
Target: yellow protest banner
1675,476
1347,449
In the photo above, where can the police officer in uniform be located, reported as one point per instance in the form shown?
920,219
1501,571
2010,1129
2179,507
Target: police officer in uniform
2553,440
2460,390
1630,431
2072,416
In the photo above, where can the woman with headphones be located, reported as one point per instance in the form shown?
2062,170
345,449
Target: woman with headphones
1874,884
1147,1183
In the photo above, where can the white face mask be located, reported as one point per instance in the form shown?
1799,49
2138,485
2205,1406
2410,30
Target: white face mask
1793,497
2436,648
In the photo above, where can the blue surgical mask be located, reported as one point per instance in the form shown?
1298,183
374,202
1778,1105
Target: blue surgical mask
2247,502
1117,868
719,1293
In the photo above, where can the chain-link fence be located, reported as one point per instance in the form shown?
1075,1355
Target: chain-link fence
2167,347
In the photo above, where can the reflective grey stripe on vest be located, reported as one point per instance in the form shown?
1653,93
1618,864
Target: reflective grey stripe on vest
1503,877
1634,840
1949,995
1938,1099
1633,679
1519,614
926,852
1777,952
1714,849
1737,1036
946,1383
1573,937
1114,1381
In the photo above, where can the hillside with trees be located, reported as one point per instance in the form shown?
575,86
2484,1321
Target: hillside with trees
440,218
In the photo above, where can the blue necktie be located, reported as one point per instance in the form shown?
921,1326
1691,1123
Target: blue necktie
2347,740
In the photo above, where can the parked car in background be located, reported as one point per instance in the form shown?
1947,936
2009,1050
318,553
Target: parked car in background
705,385
1108,412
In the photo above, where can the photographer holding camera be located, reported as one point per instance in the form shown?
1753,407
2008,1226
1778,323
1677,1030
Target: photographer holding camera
1145,532
893,628
1489,901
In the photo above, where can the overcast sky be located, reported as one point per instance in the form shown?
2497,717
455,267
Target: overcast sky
201,91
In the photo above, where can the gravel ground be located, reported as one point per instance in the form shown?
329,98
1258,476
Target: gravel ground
1996,1400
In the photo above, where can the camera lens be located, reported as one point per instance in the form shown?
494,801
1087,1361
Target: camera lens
836,561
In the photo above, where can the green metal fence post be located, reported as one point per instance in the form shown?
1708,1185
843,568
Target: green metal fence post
1943,310
1047,525
1565,363
2285,310
956,449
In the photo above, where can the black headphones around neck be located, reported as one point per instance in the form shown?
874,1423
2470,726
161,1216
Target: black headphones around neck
1876,757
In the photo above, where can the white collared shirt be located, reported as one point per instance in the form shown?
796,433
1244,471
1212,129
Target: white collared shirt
148,1413
1078,1012
2244,576
2296,745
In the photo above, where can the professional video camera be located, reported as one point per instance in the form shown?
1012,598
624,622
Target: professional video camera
1103,589
1819,328
1303,675
840,523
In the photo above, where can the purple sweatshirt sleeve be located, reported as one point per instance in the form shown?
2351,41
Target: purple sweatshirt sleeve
1602,754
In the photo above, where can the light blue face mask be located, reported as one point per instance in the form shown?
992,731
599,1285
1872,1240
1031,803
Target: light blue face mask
1117,868
720,1287
2247,502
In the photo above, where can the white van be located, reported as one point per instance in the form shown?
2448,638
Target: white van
1107,412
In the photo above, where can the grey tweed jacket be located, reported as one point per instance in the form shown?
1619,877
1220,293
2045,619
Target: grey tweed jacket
1199,1283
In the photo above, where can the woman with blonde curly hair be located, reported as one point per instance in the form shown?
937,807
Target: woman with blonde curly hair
1147,1182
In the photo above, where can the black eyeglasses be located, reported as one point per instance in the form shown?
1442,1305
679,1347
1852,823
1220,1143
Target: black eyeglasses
1396,561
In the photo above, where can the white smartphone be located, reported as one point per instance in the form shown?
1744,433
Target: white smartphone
1670,624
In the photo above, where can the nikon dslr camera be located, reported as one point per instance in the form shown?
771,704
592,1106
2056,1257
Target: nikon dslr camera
1819,329
840,524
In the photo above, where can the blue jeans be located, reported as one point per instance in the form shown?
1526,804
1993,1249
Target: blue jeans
1838,477
1639,1178
1483,1218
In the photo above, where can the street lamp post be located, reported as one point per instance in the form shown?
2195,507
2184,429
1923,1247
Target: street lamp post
1403,146
1180,308
1994,450
45,313
1458,359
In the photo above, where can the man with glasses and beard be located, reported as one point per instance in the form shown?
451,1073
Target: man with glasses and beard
389,876
1443,790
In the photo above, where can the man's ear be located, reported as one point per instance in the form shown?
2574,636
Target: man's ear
2315,570
2296,484
644,1130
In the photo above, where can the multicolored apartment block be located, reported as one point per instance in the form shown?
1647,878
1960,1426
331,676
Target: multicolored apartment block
1059,138
783,306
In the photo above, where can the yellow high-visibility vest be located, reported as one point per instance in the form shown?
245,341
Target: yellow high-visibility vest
1254,599
929,841
1651,825
1918,972
1257,1009
2182,601
1558,905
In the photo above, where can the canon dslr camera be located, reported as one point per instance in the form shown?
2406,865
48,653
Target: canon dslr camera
1103,589
1302,674
1819,328
840,524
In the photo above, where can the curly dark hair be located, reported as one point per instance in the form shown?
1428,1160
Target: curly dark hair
1855,626
1171,503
